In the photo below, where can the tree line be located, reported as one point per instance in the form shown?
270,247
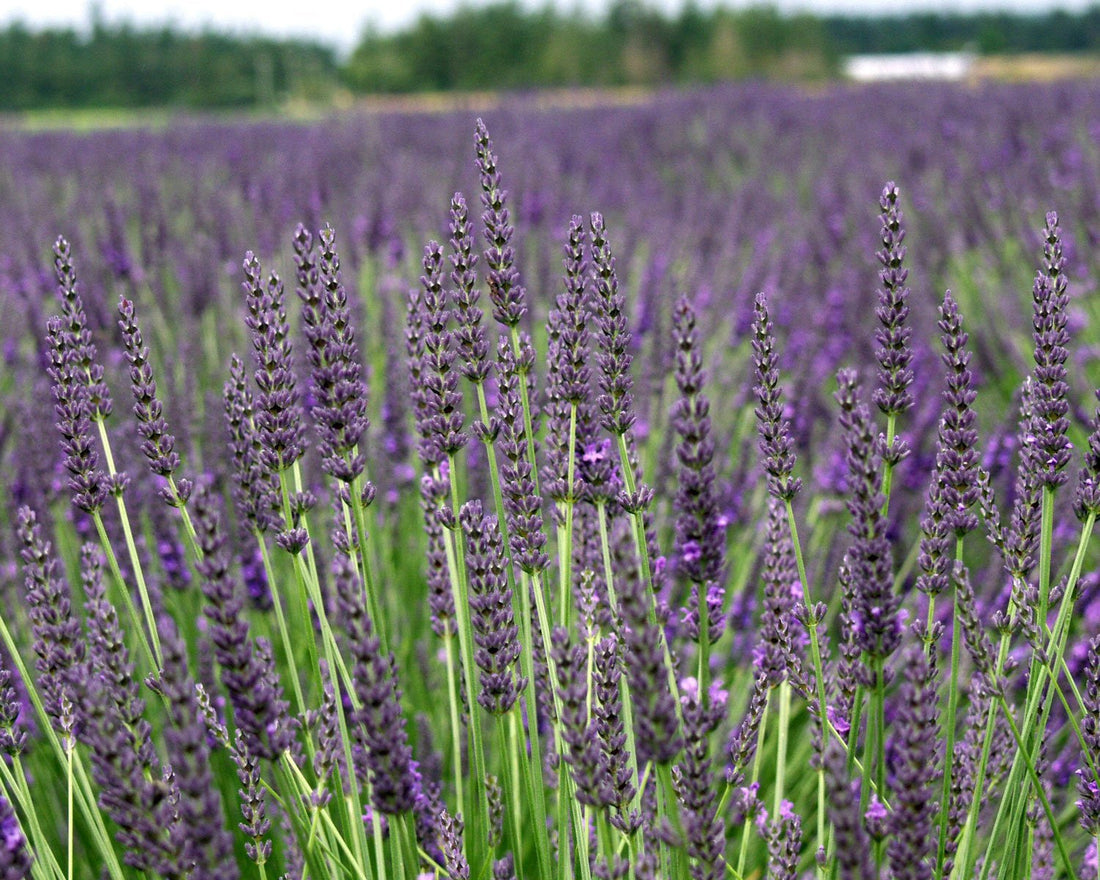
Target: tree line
502,45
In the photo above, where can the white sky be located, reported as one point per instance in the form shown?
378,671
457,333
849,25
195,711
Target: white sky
341,22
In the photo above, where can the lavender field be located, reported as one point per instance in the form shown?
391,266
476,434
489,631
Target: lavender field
695,487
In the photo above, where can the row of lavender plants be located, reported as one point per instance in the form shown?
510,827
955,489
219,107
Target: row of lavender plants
552,615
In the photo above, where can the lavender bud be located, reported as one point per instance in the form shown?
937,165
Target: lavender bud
74,414
507,296
279,419
776,446
956,453
613,336
441,417
201,830
584,756
15,855
158,446
894,352
57,638
911,851
700,540
1087,499
495,630
567,382
255,490
875,613
336,374
1049,314
473,346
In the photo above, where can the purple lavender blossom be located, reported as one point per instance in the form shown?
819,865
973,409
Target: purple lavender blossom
658,735
567,378
74,416
1051,338
506,294
260,713
956,454
15,855
205,844
473,346
700,540
1086,501
13,736
278,417
894,352
911,850
784,835
441,419
852,848
704,828
875,614
586,761
57,638
776,445
78,338
495,630
158,445
256,824
255,492
613,336
609,722
336,373
522,505
1088,786
378,725
773,655
451,842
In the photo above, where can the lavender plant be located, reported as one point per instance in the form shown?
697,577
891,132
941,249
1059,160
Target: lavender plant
591,634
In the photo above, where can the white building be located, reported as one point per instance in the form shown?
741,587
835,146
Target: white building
909,65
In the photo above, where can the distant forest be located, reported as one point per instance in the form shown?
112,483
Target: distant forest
502,45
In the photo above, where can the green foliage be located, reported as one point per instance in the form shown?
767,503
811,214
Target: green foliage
123,66
502,45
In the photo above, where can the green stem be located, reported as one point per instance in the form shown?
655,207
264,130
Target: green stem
951,716
131,548
743,851
456,724
641,549
818,665
534,767
781,744
86,797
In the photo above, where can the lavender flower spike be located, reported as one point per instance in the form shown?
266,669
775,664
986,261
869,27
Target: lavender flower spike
1050,305
957,457
776,446
440,416
700,540
57,637
1088,786
15,856
74,420
894,352
508,298
609,308
279,418
87,371
495,630
876,604
158,445
336,371
206,844
1086,502
912,849
473,346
